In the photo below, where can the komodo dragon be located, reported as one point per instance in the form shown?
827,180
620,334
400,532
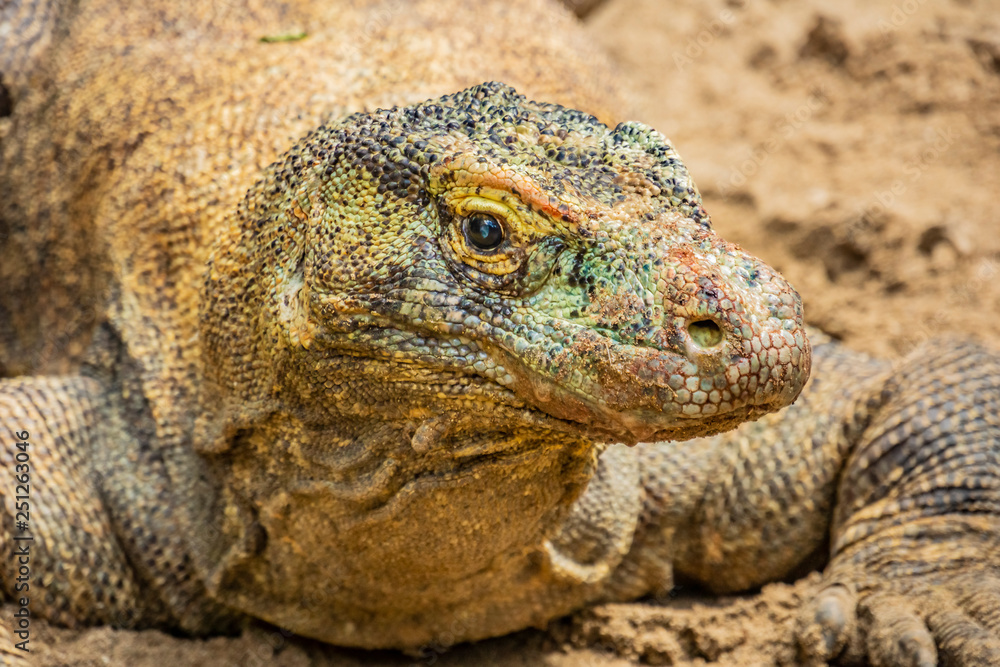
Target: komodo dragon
379,398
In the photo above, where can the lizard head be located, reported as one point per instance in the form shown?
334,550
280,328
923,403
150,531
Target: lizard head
483,249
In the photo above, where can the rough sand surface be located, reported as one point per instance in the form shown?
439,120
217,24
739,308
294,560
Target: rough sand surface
856,147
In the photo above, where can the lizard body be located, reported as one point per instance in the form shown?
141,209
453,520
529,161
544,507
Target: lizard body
367,392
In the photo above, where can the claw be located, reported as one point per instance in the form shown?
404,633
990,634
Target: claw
832,616
983,603
964,643
827,625
896,637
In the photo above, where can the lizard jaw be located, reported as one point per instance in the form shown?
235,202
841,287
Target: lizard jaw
642,394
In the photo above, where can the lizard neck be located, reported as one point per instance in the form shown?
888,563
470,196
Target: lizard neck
405,515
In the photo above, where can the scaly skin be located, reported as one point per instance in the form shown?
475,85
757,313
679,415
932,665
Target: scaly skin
310,398
417,368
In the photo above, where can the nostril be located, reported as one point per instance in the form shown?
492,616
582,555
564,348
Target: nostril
705,333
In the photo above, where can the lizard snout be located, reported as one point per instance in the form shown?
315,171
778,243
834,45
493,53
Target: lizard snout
697,344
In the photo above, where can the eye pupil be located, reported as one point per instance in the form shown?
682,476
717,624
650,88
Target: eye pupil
483,231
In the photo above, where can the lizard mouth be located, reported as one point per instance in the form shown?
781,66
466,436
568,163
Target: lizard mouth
642,394
598,423
630,394
566,412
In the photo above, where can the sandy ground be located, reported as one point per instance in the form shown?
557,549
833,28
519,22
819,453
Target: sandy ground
856,147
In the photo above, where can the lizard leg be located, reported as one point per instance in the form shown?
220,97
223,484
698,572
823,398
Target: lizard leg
60,549
914,576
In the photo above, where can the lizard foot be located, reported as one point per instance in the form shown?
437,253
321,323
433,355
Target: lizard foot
915,573
925,621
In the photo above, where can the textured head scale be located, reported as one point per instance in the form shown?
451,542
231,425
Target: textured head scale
484,249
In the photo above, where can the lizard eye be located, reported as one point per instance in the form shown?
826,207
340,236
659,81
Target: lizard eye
483,231
491,242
